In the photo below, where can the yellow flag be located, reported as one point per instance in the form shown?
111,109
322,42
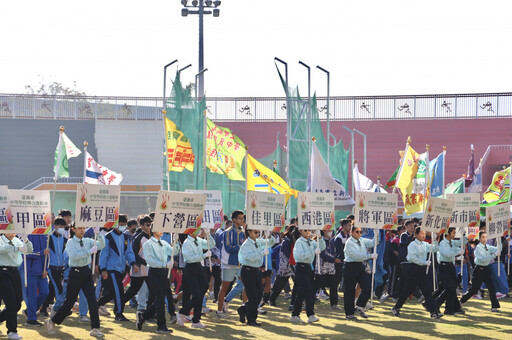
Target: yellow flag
409,168
261,178
179,150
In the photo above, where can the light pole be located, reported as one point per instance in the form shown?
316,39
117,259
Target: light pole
165,82
308,117
328,113
199,9
195,84
182,69
205,124
288,120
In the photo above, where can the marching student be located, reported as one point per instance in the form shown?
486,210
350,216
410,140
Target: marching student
194,276
339,245
484,253
327,276
415,274
304,253
11,250
79,250
354,272
285,270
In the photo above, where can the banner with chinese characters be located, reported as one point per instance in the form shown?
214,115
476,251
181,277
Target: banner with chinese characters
179,212
5,210
466,214
315,211
376,210
213,215
497,219
265,211
437,215
97,205
31,211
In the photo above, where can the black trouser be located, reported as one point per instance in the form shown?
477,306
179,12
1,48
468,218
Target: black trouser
338,276
482,274
305,291
79,278
11,294
353,273
414,276
448,278
328,280
278,286
55,275
135,283
251,278
194,281
217,280
158,285
113,289
393,282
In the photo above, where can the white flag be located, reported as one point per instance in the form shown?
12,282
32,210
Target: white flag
97,174
363,183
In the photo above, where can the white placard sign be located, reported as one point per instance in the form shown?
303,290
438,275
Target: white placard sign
31,211
97,205
213,215
265,211
466,214
437,215
179,212
497,218
315,211
376,210
5,210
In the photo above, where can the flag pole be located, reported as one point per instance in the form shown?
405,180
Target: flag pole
374,263
264,234
319,234
173,243
508,257
164,112
246,174
205,132
25,260
85,159
409,141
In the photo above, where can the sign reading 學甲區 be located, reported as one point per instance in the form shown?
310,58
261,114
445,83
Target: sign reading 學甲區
97,205
5,210
31,211
466,214
265,211
213,215
315,211
376,210
437,215
179,212
497,219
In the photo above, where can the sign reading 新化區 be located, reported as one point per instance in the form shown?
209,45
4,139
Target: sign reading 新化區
179,212
31,211
437,215
5,210
497,219
213,215
466,214
265,211
97,205
315,211
376,210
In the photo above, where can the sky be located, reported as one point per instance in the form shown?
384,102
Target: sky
370,47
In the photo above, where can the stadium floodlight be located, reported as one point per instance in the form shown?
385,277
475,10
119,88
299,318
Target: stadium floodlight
216,12
208,3
216,3
184,12
195,3
184,2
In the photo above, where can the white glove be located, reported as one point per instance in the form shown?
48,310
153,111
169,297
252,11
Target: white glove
93,250
498,253
374,256
96,230
265,251
207,254
317,251
170,264
23,248
462,251
427,263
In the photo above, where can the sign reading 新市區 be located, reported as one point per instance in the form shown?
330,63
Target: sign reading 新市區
466,214
97,205
497,218
315,211
265,211
179,212
213,215
376,210
31,211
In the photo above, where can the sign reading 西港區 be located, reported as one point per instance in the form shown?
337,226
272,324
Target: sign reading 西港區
5,210
265,211
31,211
315,211
213,215
437,215
497,219
97,205
466,214
376,210
179,212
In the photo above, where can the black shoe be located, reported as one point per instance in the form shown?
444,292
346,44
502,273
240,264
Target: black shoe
33,323
272,303
121,317
290,308
164,330
395,311
254,323
460,312
44,313
241,313
139,320
436,315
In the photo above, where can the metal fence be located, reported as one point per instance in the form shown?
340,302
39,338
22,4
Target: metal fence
480,105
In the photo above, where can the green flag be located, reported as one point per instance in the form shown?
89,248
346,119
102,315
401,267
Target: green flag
392,180
65,149
456,187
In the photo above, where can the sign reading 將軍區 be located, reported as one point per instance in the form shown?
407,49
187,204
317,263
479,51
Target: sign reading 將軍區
31,211
466,214
437,215
5,210
97,205
179,212
265,211
213,215
497,219
315,211
376,210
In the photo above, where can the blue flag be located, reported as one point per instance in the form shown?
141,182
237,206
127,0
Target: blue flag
436,175
381,248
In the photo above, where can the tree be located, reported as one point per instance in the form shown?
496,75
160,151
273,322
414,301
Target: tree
53,89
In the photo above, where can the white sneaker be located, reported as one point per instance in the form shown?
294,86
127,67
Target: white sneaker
50,326
225,307
500,295
287,296
103,311
84,318
220,314
198,325
313,318
477,296
361,312
336,308
14,335
76,308
96,332
180,319
205,310
52,313
384,297
296,319
322,295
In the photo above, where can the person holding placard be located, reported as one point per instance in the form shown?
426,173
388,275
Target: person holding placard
484,253
415,274
79,250
354,272
304,253
11,250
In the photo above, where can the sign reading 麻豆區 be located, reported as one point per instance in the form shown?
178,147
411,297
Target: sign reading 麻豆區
179,212
213,215
5,210
30,211
437,215
265,211
97,205
376,210
315,211
497,219
466,214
